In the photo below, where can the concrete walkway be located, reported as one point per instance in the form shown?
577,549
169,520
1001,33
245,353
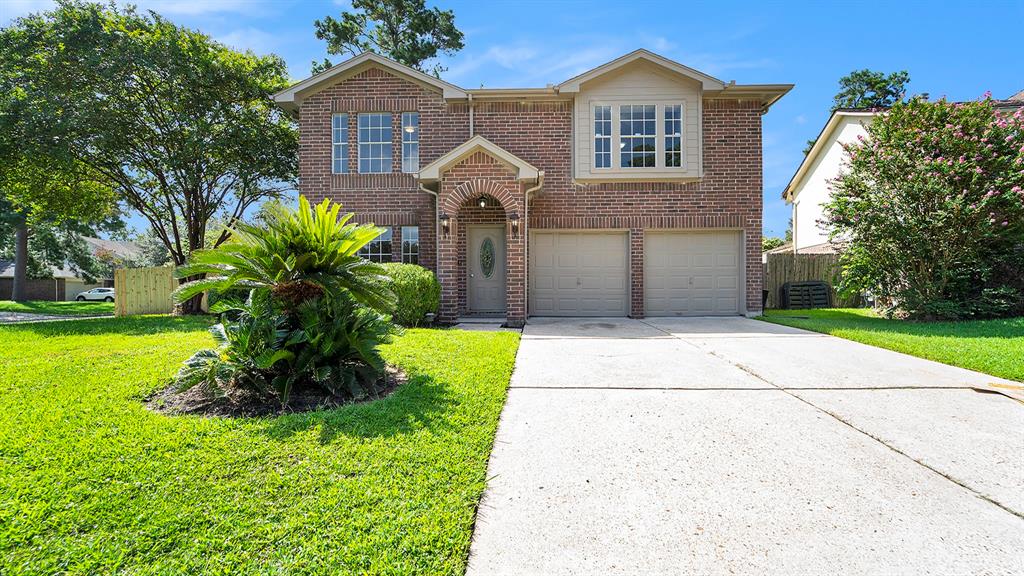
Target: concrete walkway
733,446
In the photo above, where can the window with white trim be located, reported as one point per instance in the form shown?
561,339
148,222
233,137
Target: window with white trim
410,142
379,250
411,244
673,136
375,143
339,144
602,136
637,135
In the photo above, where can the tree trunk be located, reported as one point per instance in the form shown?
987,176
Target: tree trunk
20,263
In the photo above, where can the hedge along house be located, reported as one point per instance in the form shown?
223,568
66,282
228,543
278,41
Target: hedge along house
633,189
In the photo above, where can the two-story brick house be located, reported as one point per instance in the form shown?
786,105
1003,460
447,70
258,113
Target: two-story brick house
633,189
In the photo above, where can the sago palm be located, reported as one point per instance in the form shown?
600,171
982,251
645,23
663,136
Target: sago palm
298,255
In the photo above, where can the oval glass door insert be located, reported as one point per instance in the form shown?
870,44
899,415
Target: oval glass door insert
487,257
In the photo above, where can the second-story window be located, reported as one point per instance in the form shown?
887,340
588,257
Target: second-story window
375,143
602,136
410,142
339,143
673,136
637,135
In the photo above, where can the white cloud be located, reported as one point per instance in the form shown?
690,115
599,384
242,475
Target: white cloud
250,38
201,7
800,119
11,9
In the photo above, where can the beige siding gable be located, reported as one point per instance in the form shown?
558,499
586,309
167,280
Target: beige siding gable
639,83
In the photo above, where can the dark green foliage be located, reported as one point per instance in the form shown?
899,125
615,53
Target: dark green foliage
417,291
297,254
404,30
177,126
931,209
314,316
327,342
870,89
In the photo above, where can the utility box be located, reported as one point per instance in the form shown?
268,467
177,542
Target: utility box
803,295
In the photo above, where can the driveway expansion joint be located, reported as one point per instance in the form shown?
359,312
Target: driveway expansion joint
838,418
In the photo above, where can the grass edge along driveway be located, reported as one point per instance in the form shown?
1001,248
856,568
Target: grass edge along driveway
59,308
994,347
91,481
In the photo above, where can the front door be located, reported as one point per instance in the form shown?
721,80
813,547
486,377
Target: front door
486,267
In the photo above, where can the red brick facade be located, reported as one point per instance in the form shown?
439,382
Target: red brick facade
540,133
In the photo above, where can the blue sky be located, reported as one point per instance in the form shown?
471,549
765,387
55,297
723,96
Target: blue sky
958,50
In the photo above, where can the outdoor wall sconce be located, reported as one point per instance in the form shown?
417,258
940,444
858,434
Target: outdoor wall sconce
446,223
482,202
513,220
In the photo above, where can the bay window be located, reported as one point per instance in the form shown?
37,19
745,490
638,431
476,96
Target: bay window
643,135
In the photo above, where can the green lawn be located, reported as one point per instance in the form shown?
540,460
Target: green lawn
63,308
91,482
992,346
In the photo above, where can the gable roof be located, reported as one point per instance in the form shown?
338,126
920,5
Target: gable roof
707,82
291,98
820,145
432,172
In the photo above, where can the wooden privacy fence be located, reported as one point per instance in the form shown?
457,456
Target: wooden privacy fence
785,267
144,290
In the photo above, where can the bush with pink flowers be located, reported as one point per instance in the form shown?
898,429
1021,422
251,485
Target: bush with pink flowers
930,211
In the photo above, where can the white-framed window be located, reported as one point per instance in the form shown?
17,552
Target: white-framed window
411,244
602,136
628,135
638,132
339,144
673,136
375,143
410,142
380,249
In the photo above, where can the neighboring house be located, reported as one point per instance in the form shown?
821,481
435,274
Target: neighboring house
810,187
67,284
632,189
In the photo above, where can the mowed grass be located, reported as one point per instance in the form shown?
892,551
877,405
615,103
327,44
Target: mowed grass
992,346
58,308
92,482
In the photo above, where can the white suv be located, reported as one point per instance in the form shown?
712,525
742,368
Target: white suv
104,294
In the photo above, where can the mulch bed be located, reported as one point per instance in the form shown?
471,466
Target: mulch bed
200,400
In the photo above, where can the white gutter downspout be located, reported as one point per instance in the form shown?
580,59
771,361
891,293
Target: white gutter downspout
437,222
526,243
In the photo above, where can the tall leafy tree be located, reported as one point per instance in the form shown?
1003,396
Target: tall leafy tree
868,89
404,30
871,89
183,127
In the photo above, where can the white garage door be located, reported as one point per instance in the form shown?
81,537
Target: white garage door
692,273
579,274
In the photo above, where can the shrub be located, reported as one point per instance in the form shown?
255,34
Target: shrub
931,208
331,343
417,291
315,313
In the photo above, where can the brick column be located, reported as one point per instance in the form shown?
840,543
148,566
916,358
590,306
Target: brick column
515,270
636,272
447,273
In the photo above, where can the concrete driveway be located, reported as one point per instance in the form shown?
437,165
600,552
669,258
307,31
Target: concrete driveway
733,446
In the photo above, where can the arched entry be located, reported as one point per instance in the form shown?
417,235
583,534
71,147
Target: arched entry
481,270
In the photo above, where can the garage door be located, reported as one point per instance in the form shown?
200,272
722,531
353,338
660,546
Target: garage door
579,274
692,273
